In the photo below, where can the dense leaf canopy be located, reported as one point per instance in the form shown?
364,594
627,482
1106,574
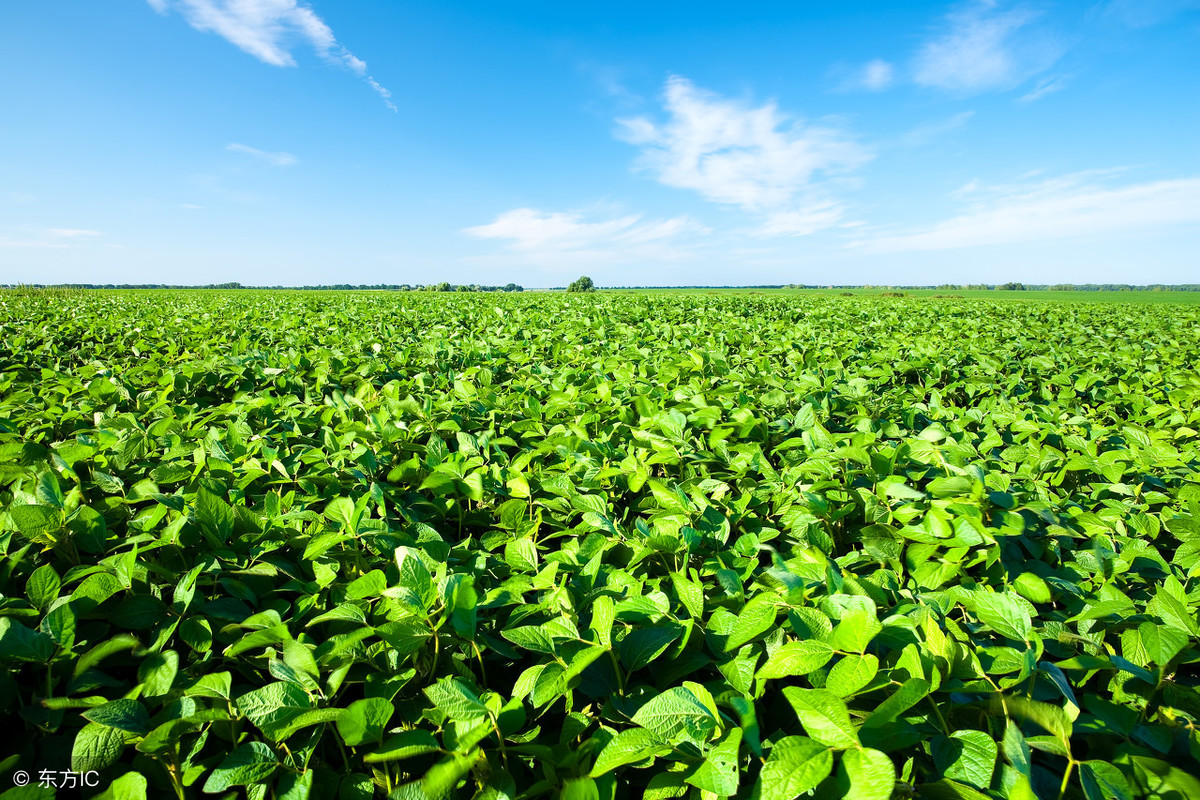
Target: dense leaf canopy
594,546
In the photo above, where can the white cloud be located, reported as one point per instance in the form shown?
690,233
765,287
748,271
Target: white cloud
382,92
874,76
275,159
554,237
808,219
268,30
985,48
71,233
1044,87
877,75
1073,206
755,158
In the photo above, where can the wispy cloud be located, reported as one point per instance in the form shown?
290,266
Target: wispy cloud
275,159
985,47
1044,87
269,30
1071,206
609,79
755,158
71,233
53,238
924,134
807,219
551,238
382,92
874,76
1144,13
30,243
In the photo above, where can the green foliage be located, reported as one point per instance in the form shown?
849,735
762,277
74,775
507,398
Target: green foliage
600,546
582,284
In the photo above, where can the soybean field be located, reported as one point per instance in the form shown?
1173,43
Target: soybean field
591,546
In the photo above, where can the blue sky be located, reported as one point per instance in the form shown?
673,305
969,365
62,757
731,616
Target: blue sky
388,141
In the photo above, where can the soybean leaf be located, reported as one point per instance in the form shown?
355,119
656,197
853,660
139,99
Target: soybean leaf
823,715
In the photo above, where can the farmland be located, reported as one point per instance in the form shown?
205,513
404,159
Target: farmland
601,546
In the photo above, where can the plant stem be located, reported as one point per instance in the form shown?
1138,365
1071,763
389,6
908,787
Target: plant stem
1062,789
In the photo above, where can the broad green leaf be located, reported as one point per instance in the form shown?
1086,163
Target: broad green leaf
215,515
216,685
823,715
246,765
531,637
1032,588
1047,716
628,747
1161,779
443,777
166,736
157,673
59,625
367,587
879,730
407,634
719,773
851,674
676,712
455,700
855,630
947,789
364,721
1003,613
43,586
603,616
869,774
966,756
414,579
1016,749
690,593
1162,644
1103,781
36,521
756,618
642,645
796,658
794,766
273,707
258,639
19,643
341,511
126,715
406,744
130,786
96,747
295,786
580,789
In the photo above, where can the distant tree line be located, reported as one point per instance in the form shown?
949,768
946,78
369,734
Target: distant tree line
1054,287
378,287
1072,287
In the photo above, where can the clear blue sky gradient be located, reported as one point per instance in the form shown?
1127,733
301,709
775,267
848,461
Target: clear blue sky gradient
392,141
